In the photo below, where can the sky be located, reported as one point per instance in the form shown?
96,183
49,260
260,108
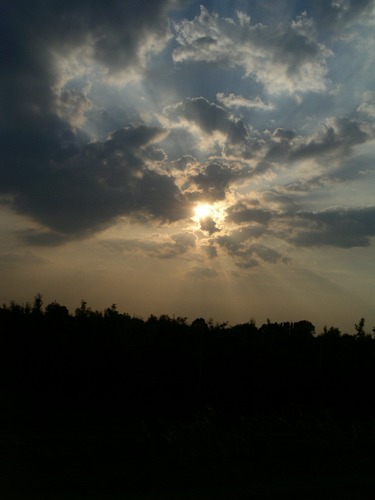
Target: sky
193,159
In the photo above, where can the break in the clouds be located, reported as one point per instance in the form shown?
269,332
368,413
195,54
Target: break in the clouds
120,121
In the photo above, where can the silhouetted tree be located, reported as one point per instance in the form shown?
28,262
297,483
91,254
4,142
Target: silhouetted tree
37,306
360,328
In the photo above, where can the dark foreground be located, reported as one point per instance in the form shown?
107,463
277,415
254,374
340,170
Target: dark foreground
107,406
205,456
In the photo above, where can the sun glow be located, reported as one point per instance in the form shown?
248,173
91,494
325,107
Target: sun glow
202,211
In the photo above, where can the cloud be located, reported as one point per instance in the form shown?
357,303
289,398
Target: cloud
209,117
268,254
60,59
210,250
202,272
239,251
43,238
343,228
214,179
367,105
244,246
118,36
237,101
280,202
284,220
217,131
209,225
49,168
102,181
247,254
284,58
338,137
159,247
335,140
71,107
245,213
52,43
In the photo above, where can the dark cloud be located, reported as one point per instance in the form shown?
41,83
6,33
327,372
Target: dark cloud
243,213
303,186
160,198
268,254
72,106
43,238
335,139
280,144
210,250
102,181
209,117
116,32
236,249
345,228
214,180
241,244
282,202
248,256
338,137
209,225
341,227
48,167
261,168
242,253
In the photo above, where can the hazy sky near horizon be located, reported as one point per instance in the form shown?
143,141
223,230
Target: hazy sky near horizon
207,159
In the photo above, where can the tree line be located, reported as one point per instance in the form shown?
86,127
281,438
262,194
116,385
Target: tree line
109,361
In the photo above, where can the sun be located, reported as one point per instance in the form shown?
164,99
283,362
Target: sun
202,211
214,211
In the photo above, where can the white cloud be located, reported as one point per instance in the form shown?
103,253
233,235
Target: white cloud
237,101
